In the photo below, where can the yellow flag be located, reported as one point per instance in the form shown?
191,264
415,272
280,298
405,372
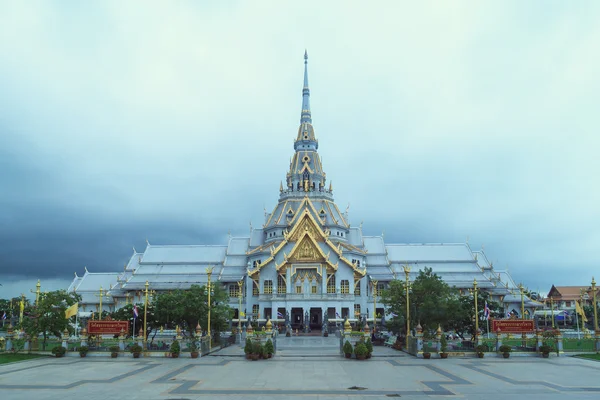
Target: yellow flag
580,311
69,312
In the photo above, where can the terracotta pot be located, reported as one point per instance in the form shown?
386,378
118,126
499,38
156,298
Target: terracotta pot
427,356
369,355
348,355
248,356
270,356
194,354
545,355
114,355
361,356
443,355
174,355
82,355
136,355
505,355
480,355
254,357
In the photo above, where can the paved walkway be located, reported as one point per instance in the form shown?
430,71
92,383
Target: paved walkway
299,375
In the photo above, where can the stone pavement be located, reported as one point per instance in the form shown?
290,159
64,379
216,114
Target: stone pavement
304,368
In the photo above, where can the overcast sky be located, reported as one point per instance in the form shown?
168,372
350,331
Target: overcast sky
174,122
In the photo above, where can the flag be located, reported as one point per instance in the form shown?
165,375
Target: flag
580,311
394,315
486,312
337,315
243,314
135,312
4,315
280,315
508,314
69,312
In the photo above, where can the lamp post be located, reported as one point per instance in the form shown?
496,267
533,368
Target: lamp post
208,291
522,301
240,287
37,292
374,282
100,295
552,310
146,293
407,286
474,291
21,309
594,300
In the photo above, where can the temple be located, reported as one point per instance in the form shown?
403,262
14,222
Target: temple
307,262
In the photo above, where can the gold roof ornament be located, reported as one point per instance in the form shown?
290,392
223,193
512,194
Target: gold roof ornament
269,325
419,328
249,330
366,329
439,330
280,186
347,326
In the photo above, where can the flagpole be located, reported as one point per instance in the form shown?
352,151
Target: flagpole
488,326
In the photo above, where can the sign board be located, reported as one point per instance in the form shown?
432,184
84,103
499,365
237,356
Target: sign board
513,325
107,327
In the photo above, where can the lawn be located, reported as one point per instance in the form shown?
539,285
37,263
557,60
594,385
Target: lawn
8,358
595,357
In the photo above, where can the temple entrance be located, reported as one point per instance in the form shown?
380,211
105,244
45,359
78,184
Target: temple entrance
316,319
297,319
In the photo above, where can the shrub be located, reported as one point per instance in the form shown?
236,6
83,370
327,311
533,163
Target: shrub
369,346
360,349
546,348
269,349
256,348
175,347
505,348
482,348
84,350
59,351
347,348
135,348
193,347
248,346
114,349
443,343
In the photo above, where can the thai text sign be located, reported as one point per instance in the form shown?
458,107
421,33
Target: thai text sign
513,325
101,327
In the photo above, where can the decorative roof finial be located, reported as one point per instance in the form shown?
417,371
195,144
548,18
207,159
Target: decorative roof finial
305,116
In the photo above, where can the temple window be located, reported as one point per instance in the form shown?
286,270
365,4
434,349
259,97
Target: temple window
331,285
314,289
281,286
254,289
299,289
268,287
234,290
255,311
357,288
345,286
356,310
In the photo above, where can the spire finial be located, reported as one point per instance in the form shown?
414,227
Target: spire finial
305,114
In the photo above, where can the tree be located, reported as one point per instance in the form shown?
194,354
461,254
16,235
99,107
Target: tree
187,308
48,317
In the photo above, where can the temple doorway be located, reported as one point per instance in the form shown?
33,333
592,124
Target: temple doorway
316,318
297,319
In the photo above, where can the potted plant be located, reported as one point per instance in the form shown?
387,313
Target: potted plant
175,349
347,349
269,349
426,355
256,351
480,350
136,350
443,346
325,334
194,349
83,350
369,348
505,350
248,349
59,351
545,350
114,351
287,334
361,351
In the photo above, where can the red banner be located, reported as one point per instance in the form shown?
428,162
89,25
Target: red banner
108,327
513,325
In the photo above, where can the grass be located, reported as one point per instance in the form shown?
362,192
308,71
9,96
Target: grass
595,357
8,358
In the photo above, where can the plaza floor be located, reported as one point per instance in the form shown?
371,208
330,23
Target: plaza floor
303,368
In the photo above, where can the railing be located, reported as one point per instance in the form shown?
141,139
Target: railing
579,345
306,296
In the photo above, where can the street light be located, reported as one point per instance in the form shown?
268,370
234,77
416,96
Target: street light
209,291
240,287
37,292
552,308
595,311
521,288
474,291
146,293
374,283
407,286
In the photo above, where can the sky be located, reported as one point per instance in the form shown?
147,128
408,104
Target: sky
173,122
